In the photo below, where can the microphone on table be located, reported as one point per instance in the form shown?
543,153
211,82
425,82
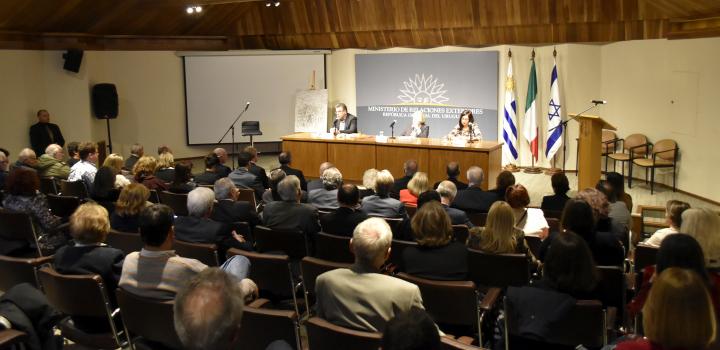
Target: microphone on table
599,102
393,123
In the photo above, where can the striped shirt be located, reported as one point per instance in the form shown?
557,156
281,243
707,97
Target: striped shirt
157,274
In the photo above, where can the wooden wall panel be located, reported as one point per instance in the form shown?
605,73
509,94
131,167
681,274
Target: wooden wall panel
352,159
392,158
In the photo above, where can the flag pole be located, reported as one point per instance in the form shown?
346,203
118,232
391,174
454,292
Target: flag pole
554,170
532,169
511,166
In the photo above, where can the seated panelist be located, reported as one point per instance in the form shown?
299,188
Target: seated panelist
418,128
344,123
466,127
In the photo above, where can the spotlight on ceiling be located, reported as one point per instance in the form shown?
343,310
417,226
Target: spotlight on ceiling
193,9
198,9
190,10
276,3
270,3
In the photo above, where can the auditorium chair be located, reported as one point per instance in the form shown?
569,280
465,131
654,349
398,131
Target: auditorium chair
554,224
410,210
273,275
48,185
128,242
400,227
154,197
333,248
609,141
323,335
452,344
534,243
292,243
461,233
261,326
12,339
248,195
148,322
63,206
14,271
206,253
73,188
498,270
478,219
633,146
18,227
81,296
176,201
612,285
662,155
397,248
310,269
645,255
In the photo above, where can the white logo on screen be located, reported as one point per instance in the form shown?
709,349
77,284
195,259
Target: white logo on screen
423,90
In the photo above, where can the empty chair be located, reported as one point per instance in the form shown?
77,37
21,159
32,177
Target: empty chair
63,206
48,185
323,335
291,243
609,144
461,233
663,155
260,326
74,188
128,242
333,248
478,219
150,319
14,271
18,227
206,253
498,270
176,201
311,268
633,146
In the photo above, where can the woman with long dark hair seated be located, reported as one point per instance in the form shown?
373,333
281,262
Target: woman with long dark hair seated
103,190
182,183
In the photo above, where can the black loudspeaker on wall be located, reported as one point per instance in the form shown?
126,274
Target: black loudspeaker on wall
105,101
73,58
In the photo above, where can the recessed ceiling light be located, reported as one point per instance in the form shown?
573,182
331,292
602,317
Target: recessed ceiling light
190,10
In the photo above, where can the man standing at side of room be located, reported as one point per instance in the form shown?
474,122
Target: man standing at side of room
44,133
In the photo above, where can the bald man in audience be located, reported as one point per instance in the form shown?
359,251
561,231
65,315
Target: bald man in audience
447,191
318,183
221,169
473,199
288,213
453,171
27,159
410,167
361,297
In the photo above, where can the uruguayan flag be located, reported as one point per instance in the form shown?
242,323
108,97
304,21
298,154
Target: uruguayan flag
554,140
510,124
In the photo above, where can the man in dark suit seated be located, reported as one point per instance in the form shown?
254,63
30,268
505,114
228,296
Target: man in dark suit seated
221,169
453,171
343,221
326,197
409,168
228,209
318,183
344,123
198,228
242,177
256,169
136,151
447,191
473,199
288,213
285,159
210,175
44,133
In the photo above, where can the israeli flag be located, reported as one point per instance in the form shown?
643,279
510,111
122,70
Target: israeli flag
510,123
555,130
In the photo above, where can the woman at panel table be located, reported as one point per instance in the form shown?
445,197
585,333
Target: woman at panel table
418,127
466,127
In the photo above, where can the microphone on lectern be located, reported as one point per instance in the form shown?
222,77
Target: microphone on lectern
247,105
599,102
393,123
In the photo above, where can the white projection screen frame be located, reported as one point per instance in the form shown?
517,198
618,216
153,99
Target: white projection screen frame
218,86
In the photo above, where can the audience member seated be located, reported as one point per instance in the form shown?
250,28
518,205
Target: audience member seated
208,313
197,227
136,151
132,200
428,196
157,272
473,199
103,190
228,208
453,171
360,297
601,208
616,183
673,218
73,153
326,197
680,251
222,156
3,169
51,163
368,183
417,185
381,204
436,256
504,180
410,167
580,218
115,162
276,175
256,169
163,149
560,186
288,213
211,171
447,192
318,183
285,160
411,330
704,225
165,169
342,222
144,171
24,308
530,220
617,212
242,177
85,169
26,159
677,315
182,183
500,235
89,255
21,195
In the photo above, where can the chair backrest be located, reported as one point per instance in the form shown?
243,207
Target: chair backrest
176,201
292,243
149,318
206,253
74,188
260,327
397,225
452,344
554,224
311,268
63,206
323,335
154,197
665,149
48,185
75,295
608,135
14,271
18,227
534,243
498,270
644,256
478,219
128,242
612,285
333,248
248,195
448,302
397,248
250,127
461,233
270,272
410,210
633,141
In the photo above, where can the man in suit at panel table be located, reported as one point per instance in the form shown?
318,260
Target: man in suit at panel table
473,199
318,183
360,297
409,168
447,191
342,222
344,123
242,177
285,159
288,213
256,169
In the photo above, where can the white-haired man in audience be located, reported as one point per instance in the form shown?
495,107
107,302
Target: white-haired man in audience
221,169
318,183
473,199
381,204
288,213
360,297
228,208
26,159
51,163
136,151
326,197
447,191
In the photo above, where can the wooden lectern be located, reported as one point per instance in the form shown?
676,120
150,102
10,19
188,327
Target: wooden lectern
591,127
